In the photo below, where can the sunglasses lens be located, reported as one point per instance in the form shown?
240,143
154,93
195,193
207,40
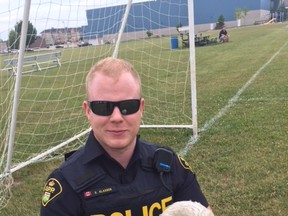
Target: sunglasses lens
105,108
129,107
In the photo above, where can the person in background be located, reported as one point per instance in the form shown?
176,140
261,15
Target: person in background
116,172
223,35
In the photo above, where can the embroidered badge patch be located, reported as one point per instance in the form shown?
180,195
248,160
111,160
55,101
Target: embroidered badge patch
51,190
184,163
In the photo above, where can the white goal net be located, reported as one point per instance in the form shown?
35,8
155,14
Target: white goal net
42,78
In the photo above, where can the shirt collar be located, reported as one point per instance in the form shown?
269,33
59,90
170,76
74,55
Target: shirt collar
93,149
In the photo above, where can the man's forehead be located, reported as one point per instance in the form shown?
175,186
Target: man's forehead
126,80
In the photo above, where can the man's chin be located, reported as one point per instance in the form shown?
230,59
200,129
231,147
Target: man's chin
119,145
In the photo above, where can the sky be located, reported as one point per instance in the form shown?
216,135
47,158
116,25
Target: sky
45,14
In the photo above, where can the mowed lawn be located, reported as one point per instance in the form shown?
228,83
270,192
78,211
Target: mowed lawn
241,155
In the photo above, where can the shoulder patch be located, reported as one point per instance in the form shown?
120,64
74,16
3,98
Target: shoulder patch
184,163
51,190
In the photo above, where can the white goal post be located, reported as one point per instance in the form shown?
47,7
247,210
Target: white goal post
41,114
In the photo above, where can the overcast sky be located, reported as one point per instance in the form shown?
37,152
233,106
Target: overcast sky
45,14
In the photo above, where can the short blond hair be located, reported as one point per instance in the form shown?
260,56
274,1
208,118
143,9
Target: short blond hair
114,68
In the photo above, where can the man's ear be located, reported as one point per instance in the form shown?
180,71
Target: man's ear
86,108
142,103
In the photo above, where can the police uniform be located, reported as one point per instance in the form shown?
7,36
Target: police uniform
90,182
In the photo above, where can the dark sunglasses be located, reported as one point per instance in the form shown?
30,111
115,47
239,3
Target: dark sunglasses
106,108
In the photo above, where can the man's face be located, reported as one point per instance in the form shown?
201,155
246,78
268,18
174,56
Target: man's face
117,131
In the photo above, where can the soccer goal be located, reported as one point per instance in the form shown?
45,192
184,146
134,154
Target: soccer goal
41,114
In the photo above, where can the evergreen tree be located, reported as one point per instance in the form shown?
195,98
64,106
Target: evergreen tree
221,22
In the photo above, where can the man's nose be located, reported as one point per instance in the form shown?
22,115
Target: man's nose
116,114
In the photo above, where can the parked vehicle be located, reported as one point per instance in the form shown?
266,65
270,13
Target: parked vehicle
82,44
29,50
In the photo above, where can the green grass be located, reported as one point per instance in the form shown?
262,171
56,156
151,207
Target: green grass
240,159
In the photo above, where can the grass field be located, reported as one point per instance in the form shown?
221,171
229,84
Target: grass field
240,157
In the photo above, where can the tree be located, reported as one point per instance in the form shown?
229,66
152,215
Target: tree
14,35
240,13
178,26
149,34
221,22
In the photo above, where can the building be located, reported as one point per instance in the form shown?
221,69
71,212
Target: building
40,42
104,23
3,47
55,36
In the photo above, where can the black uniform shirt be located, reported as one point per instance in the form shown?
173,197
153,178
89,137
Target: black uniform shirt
60,199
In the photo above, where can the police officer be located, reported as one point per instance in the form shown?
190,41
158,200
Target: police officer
116,173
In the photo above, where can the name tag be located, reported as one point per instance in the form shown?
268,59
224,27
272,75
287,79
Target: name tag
99,192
